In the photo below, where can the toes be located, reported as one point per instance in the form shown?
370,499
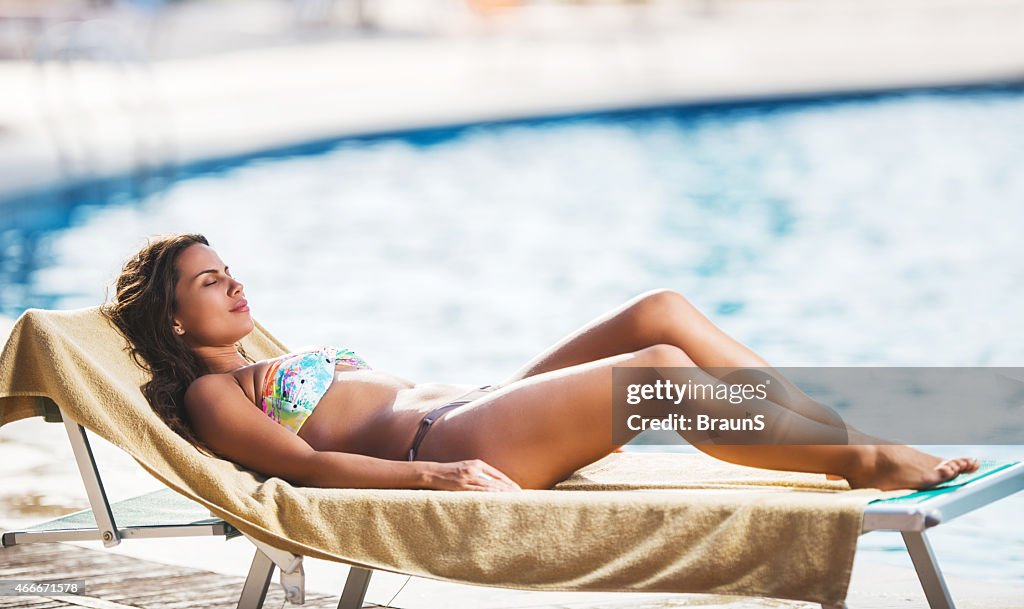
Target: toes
951,468
946,469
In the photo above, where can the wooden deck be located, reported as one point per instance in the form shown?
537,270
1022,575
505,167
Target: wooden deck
114,581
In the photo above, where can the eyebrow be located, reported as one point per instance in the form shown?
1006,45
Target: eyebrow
209,271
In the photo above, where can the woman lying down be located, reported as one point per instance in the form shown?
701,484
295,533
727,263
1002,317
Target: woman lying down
323,417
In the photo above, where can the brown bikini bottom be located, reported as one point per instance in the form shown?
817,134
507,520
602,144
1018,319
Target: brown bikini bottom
436,413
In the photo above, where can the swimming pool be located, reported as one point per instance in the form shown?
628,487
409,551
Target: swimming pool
879,230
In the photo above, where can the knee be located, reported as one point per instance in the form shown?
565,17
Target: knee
653,309
660,301
663,354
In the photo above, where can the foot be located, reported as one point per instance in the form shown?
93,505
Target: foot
893,466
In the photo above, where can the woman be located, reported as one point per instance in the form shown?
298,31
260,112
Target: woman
323,417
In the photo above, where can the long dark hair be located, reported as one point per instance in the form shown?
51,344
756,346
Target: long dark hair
143,312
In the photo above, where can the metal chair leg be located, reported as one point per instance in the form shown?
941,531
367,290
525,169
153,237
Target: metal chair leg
256,583
355,588
928,570
93,483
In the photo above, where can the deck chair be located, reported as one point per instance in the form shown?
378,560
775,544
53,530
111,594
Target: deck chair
172,512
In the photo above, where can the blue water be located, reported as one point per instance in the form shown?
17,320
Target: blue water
877,230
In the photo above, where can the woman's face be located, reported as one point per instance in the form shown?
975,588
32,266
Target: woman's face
206,294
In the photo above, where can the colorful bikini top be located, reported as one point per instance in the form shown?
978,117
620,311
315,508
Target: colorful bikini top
295,383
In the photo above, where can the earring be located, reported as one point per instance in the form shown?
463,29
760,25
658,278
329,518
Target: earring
179,330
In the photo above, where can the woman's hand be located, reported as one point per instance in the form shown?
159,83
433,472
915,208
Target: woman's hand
469,475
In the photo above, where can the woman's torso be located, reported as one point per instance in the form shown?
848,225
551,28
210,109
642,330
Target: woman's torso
363,410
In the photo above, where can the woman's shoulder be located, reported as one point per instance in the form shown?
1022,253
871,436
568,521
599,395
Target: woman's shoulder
211,381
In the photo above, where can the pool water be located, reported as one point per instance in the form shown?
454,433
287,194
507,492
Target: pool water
878,230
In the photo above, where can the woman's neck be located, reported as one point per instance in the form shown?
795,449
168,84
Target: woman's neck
221,360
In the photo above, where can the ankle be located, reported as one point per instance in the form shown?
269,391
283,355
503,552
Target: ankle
863,459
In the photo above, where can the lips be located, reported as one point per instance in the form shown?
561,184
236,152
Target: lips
242,306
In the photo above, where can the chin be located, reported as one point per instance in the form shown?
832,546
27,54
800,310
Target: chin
247,327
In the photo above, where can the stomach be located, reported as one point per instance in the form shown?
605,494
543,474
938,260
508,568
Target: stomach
372,412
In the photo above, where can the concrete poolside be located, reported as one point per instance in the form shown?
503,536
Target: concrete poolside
102,119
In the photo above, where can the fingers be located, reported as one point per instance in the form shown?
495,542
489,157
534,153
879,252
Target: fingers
484,476
494,478
500,475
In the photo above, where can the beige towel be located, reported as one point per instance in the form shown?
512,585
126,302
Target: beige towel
646,522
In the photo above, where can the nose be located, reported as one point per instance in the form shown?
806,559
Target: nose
238,286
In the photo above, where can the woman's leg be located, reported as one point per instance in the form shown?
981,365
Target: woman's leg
664,316
540,430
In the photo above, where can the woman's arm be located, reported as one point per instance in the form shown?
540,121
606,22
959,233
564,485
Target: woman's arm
332,469
336,469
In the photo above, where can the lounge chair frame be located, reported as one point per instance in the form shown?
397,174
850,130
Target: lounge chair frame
911,520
